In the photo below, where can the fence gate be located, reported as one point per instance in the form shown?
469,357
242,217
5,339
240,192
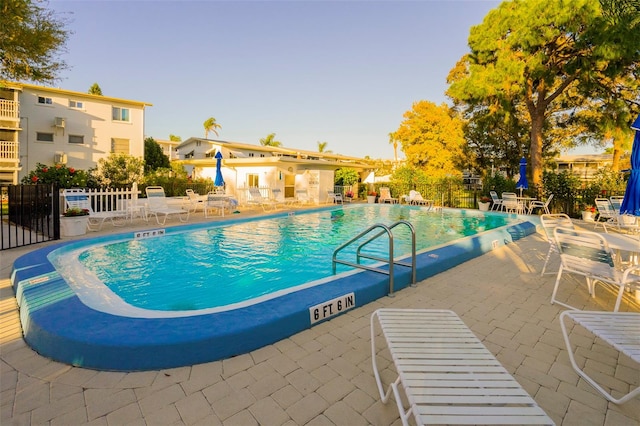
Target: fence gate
30,214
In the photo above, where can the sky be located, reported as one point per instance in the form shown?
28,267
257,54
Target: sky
341,72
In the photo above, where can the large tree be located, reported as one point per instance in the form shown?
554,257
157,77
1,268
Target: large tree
210,125
432,139
31,40
95,89
270,140
154,158
535,51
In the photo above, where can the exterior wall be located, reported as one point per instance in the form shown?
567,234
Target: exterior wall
93,121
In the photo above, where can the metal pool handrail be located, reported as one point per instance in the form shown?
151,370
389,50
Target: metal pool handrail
390,260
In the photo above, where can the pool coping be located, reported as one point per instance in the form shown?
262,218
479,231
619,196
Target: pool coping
56,324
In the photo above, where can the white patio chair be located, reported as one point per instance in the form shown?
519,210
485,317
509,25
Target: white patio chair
78,198
510,203
616,202
216,202
334,198
606,212
278,197
497,201
550,222
194,200
157,206
303,197
535,204
587,254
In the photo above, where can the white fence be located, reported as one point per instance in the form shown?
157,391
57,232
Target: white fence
109,199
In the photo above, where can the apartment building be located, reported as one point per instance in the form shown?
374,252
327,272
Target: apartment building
50,125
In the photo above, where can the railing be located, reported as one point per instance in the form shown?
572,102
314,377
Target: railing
9,150
9,110
30,214
390,260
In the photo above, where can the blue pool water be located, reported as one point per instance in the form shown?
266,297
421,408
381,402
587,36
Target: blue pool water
225,265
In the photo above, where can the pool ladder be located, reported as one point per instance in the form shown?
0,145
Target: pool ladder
383,229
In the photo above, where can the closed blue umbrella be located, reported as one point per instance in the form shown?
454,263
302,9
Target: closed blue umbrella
522,182
219,180
631,202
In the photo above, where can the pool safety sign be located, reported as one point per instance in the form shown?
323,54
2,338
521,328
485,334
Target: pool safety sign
332,307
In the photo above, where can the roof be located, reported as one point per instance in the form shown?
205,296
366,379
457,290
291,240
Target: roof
66,92
585,158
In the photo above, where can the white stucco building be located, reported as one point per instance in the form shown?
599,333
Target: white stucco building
50,125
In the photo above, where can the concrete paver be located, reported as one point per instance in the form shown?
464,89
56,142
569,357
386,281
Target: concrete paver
323,376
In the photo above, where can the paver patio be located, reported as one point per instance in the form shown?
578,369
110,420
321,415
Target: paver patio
323,376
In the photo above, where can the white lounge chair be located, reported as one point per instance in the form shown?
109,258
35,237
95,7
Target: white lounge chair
448,375
278,197
621,330
416,198
256,198
550,222
535,204
588,254
303,197
157,206
385,196
194,200
78,198
616,202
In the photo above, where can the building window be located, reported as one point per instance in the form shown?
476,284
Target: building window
45,101
76,139
44,137
253,180
120,146
120,114
76,104
251,154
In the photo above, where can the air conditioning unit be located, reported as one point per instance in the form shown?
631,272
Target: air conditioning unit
60,158
59,122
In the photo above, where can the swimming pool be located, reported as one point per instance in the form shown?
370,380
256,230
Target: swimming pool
60,319
225,267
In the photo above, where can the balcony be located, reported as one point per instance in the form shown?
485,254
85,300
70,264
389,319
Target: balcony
9,151
9,110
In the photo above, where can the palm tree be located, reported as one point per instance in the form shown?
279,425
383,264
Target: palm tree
270,140
394,141
210,125
322,147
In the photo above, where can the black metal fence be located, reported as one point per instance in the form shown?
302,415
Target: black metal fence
30,214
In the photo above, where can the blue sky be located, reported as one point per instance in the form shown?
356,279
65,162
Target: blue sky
340,72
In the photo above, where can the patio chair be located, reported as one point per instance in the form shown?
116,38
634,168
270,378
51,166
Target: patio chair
607,213
278,197
497,201
303,197
194,200
620,330
416,198
78,198
215,201
535,204
588,254
334,197
511,204
550,222
157,206
385,196
616,202
256,198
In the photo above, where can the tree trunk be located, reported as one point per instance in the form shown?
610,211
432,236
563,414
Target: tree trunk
535,151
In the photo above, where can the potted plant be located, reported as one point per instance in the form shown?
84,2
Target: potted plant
74,222
484,203
587,211
371,197
348,196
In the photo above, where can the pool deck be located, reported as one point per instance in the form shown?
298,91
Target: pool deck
323,376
